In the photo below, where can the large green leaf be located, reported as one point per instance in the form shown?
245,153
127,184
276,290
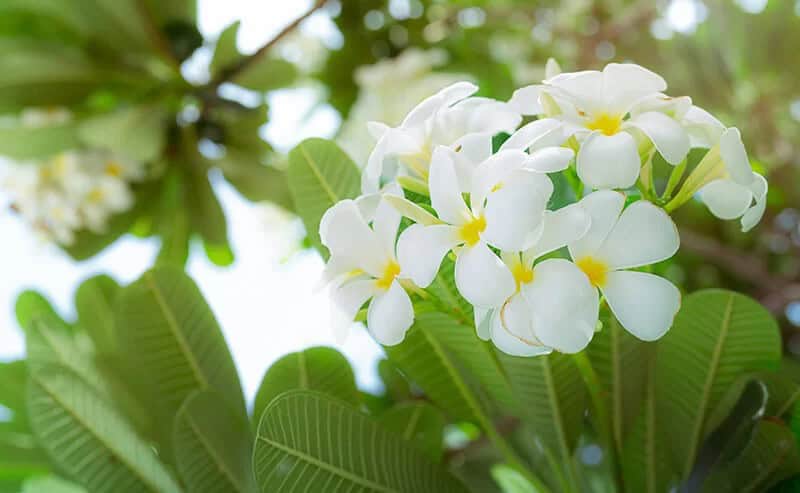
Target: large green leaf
225,53
320,174
50,484
320,368
176,344
718,336
419,423
88,439
136,132
94,302
257,182
770,457
552,398
620,360
266,74
310,441
18,142
12,385
213,446
31,306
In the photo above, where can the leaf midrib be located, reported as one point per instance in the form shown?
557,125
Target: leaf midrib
713,367
172,323
328,467
85,425
556,410
314,167
214,456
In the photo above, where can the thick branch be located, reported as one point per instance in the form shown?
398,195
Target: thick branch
240,66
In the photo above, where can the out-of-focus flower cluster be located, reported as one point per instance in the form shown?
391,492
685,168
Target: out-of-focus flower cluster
536,276
71,191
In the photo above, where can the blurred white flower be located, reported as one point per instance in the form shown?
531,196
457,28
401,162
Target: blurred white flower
71,191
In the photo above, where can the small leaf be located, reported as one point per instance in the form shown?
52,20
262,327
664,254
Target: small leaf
213,446
419,423
94,302
225,52
320,174
511,481
137,132
22,143
255,181
266,74
337,449
322,369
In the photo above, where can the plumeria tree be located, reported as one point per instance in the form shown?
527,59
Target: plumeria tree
509,240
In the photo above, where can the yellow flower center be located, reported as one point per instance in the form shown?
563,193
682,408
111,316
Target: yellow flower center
522,274
114,169
595,270
471,232
389,273
608,124
96,195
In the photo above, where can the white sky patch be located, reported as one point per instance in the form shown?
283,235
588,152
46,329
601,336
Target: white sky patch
685,15
266,306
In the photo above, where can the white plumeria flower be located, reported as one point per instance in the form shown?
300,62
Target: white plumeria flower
363,266
599,109
739,192
643,234
450,118
554,305
104,197
507,203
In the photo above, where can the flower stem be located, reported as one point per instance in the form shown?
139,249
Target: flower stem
674,179
603,423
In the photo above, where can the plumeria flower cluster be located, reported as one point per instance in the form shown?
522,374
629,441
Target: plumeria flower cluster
536,276
71,191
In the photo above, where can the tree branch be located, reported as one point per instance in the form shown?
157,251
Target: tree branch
242,65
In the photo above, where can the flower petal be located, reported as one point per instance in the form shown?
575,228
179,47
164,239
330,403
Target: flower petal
726,199
608,161
420,251
482,278
644,304
394,142
526,100
346,234
564,305
483,317
515,210
387,220
704,129
492,172
581,88
390,315
445,193
561,227
734,156
755,213
445,97
347,299
469,152
512,329
550,159
543,131
626,83
603,208
643,235
669,138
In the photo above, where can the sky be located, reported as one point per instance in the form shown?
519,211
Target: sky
267,304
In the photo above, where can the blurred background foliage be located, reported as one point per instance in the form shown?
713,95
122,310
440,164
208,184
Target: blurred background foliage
127,72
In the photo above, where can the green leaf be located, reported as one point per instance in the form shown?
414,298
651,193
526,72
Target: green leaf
419,423
769,458
320,174
172,222
206,215
315,442
511,481
50,484
256,181
94,302
12,386
179,347
225,52
552,398
137,132
717,337
425,359
266,74
21,143
322,369
43,74
32,305
213,446
88,439
620,360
